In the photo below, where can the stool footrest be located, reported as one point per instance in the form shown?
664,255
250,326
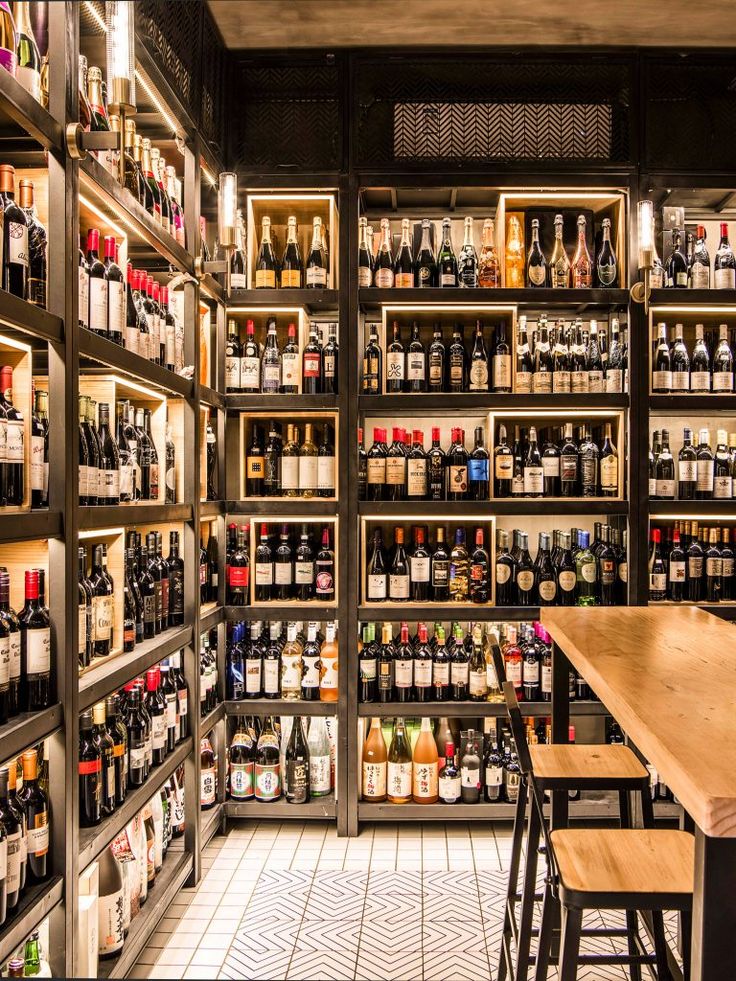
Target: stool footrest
592,959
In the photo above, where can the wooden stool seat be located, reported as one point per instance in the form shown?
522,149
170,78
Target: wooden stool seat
586,763
620,862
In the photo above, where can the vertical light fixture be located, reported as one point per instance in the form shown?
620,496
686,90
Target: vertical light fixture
227,212
641,291
120,22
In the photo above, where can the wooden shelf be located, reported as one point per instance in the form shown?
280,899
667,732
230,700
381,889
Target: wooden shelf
318,807
18,104
110,674
523,505
172,877
279,403
30,526
581,810
33,907
443,611
27,729
442,403
209,396
210,616
700,509
313,506
93,840
211,509
144,233
132,365
694,298
571,299
683,404
469,710
130,515
20,315
279,706
273,299
208,723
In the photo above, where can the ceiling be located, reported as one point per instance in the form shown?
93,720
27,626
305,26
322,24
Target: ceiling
405,23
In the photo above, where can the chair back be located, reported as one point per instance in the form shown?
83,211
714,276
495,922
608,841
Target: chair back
525,762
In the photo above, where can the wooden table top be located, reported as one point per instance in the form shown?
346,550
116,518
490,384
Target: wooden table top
668,676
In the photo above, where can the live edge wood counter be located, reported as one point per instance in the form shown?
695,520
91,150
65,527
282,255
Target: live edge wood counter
668,676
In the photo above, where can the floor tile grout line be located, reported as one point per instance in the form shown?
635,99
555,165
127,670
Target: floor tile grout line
480,907
306,901
365,900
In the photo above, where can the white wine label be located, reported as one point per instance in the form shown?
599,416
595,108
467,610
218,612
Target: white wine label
425,780
289,369
502,371
271,675
395,366
289,473
503,573
252,676
504,466
724,279
548,590
419,568
525,580
450,789
377,587
494,776
398,587
589,571
374,780
38,650
384,278
566,580
478,684
722,381
316,276
13,872
657,582
399,779
700,381
727,566
652,487
158,731
662,379
677,571
308,473
365,276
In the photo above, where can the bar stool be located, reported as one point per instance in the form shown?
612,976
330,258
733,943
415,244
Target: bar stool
624,869
562,768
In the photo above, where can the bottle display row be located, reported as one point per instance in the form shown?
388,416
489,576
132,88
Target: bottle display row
25,648
209,675
416,261
121,464
276,660
124,738
152,182
560,358
707,368
292,270
293,562
271,369
13,450
429,571
128,308
25,240
569,569
293,758
209,564
21,55
25,828
700,474
689,266
291,467
691,563
128,869
153,596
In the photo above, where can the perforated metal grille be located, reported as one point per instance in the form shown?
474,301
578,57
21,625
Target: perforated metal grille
172,31
286,115
439,110
690,113
212,94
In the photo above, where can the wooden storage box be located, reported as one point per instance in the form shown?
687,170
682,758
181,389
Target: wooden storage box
278,207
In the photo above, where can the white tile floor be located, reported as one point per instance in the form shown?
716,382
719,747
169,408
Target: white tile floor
294,901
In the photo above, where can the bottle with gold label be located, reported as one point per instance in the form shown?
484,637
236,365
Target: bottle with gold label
608,465
515,264
266,261
291,264
489,271
559,262
582,264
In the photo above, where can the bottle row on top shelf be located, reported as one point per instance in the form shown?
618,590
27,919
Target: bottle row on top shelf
421,259
130,309
270,659
568,570
709,368
288,366
561,358
293,757
691,563
123,739
557,464
700,472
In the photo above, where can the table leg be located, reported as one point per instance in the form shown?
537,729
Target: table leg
713,955
560,725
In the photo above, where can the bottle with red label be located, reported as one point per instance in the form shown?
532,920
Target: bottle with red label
90,773
312,363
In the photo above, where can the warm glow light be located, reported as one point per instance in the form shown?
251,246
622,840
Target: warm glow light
645,232
93,11
452,308
695,309
208,175
103,217
148,392
101,533
10,342
120,18
227,207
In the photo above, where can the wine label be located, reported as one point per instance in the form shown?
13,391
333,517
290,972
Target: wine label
548,590
399,779
367,667
579,382
14,446
116,307
449,789
504,466
531,672
289,370
477,682
232,372
312,364
562,382
694,567
37,837
657,582
440,573
325,473
265,279
282,573
699,276
614,381
98,305
459,672
546,679
494,776
425,780
319,774
566,580
417,478
308,473
316,276
662,379
665,488
513,672
264,573
422,672
441,673
525,580
103,611
250,371
18,244
13,870
38,650
542,382
470,777
395,366
457,479
415,370
328,681
158,731
478,375
503,573
395,470
533,480
377,587
365,276
374,780
208,783
83,296
700,381
241,781
376,470
478,470
37,463
398,587
722,486
727,567
271,676
713,568
705,475
677,571
595,381
502,371
589,571
722,381
609,473
303,573
551,466
680,381
252,675
419,568
723,279
688,471
289,473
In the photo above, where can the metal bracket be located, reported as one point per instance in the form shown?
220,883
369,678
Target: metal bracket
79,142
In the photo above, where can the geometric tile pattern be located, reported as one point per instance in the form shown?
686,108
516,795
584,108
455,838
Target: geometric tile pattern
295,903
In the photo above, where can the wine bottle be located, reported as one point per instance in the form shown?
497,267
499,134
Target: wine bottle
374,765
266,266
724,264
298,765
536,263
399,766
35,637
36,808
291,263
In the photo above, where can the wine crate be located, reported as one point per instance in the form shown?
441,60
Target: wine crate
248,419
293,521
595,203
19,357
578,417
284,315
447,315
387,524
278,207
